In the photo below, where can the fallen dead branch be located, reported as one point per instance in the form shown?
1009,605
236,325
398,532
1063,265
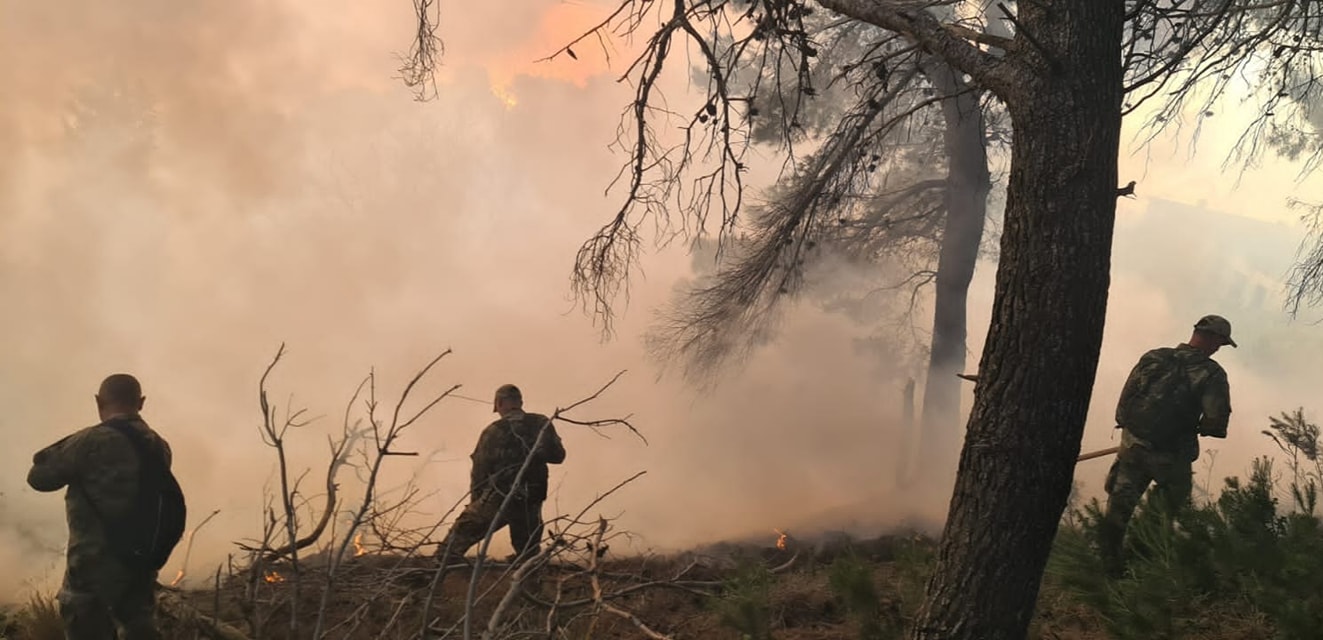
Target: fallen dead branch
517,582
188,548
598,549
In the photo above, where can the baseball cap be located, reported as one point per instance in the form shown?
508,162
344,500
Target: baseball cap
1216,325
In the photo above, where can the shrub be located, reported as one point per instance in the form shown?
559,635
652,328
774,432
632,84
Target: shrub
851,581
745,601
1244,558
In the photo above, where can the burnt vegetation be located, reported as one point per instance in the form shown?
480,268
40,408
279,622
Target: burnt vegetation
1244,563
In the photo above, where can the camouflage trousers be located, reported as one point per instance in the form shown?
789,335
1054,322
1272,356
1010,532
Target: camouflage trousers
99,597
1136,468
523,516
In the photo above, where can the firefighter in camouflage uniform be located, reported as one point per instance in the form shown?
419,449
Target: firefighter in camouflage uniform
1172,396
502,450
99,468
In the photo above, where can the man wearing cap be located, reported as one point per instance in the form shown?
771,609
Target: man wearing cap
1173,396
502,450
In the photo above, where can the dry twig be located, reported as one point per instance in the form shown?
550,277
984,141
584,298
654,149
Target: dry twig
188,548
384,436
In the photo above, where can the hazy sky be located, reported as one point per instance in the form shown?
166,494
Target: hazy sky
286,188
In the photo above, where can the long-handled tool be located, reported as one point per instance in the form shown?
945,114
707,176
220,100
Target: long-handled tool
1097,454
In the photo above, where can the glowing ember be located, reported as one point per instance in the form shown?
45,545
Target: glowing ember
358,546
781,539
273,577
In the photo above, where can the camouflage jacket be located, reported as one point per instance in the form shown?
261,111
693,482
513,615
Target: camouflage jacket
501,451
95,463
1173,396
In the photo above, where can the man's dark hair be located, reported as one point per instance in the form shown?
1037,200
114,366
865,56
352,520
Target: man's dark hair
120,389
510,392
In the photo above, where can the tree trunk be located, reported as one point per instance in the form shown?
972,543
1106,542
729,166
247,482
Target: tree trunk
1041,356
906,438
967,185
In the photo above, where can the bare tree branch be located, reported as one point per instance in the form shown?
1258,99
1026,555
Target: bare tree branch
1174,51
384,438
1189,56
594,560
950,42
188,548
831,202
1306,278
418,66
716,134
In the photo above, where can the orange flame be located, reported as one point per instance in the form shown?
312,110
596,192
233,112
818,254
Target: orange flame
358,546
274,577
178,577
781,539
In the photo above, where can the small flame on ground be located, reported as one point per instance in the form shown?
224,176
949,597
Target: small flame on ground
781,539
274,577
358,546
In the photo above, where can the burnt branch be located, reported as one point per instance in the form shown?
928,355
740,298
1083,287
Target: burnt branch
339,449
517,582
600,603
273,434
418,66
188,548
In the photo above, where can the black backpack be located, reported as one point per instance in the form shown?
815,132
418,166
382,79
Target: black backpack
145,535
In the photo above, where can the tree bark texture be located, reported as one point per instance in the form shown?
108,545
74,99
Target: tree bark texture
1063,87
967,185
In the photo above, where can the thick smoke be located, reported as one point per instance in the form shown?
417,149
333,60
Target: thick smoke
186,187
